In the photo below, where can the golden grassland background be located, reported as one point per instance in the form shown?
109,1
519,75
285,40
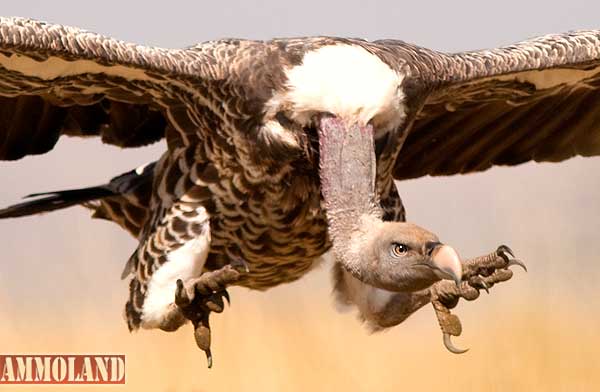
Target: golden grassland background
302,344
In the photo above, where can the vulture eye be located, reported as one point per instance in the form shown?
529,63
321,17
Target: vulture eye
398,250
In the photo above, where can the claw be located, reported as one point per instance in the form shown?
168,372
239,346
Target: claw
208,358
226,296
517,262
484,285
505,249
202,336
478,283
451,347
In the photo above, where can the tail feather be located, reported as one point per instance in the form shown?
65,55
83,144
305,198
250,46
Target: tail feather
51,201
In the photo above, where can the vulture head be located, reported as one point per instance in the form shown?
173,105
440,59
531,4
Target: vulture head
399,256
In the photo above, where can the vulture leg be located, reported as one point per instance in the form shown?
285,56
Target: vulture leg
198,297
478,273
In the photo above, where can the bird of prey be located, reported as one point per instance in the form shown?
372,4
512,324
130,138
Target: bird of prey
279,150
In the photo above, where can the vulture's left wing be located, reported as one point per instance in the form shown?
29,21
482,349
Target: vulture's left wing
536,100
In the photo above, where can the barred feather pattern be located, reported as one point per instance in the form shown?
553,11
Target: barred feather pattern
224,175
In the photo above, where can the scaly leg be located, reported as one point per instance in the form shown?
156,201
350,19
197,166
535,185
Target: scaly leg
478,273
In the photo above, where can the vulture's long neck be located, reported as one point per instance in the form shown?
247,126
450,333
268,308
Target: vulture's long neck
347,171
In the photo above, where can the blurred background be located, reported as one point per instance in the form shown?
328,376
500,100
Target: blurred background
59,274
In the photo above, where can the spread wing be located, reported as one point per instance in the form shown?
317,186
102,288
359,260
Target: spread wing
57,80
536,100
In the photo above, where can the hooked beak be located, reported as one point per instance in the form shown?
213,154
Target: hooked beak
446,263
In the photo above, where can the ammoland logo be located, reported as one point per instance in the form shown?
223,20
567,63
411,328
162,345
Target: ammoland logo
62,369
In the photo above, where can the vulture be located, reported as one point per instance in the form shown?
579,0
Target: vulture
279,151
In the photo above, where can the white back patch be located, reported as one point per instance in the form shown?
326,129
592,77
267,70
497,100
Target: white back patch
347,81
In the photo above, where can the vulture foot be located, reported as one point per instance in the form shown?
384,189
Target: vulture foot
478,273
198,297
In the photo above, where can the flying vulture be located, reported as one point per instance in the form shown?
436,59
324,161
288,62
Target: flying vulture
280,150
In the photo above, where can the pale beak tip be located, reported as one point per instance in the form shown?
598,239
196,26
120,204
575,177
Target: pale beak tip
446,260
457,280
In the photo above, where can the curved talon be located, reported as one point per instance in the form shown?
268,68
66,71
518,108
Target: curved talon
450,347
517,262
202,337
209,360
226,296
484,285
505,249
478,283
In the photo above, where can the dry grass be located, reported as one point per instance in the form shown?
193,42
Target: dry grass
263,344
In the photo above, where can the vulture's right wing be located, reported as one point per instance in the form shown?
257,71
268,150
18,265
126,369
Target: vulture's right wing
57,80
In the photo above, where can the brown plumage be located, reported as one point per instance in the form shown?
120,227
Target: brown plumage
251,169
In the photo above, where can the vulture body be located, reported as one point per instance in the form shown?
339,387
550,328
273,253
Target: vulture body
280,150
